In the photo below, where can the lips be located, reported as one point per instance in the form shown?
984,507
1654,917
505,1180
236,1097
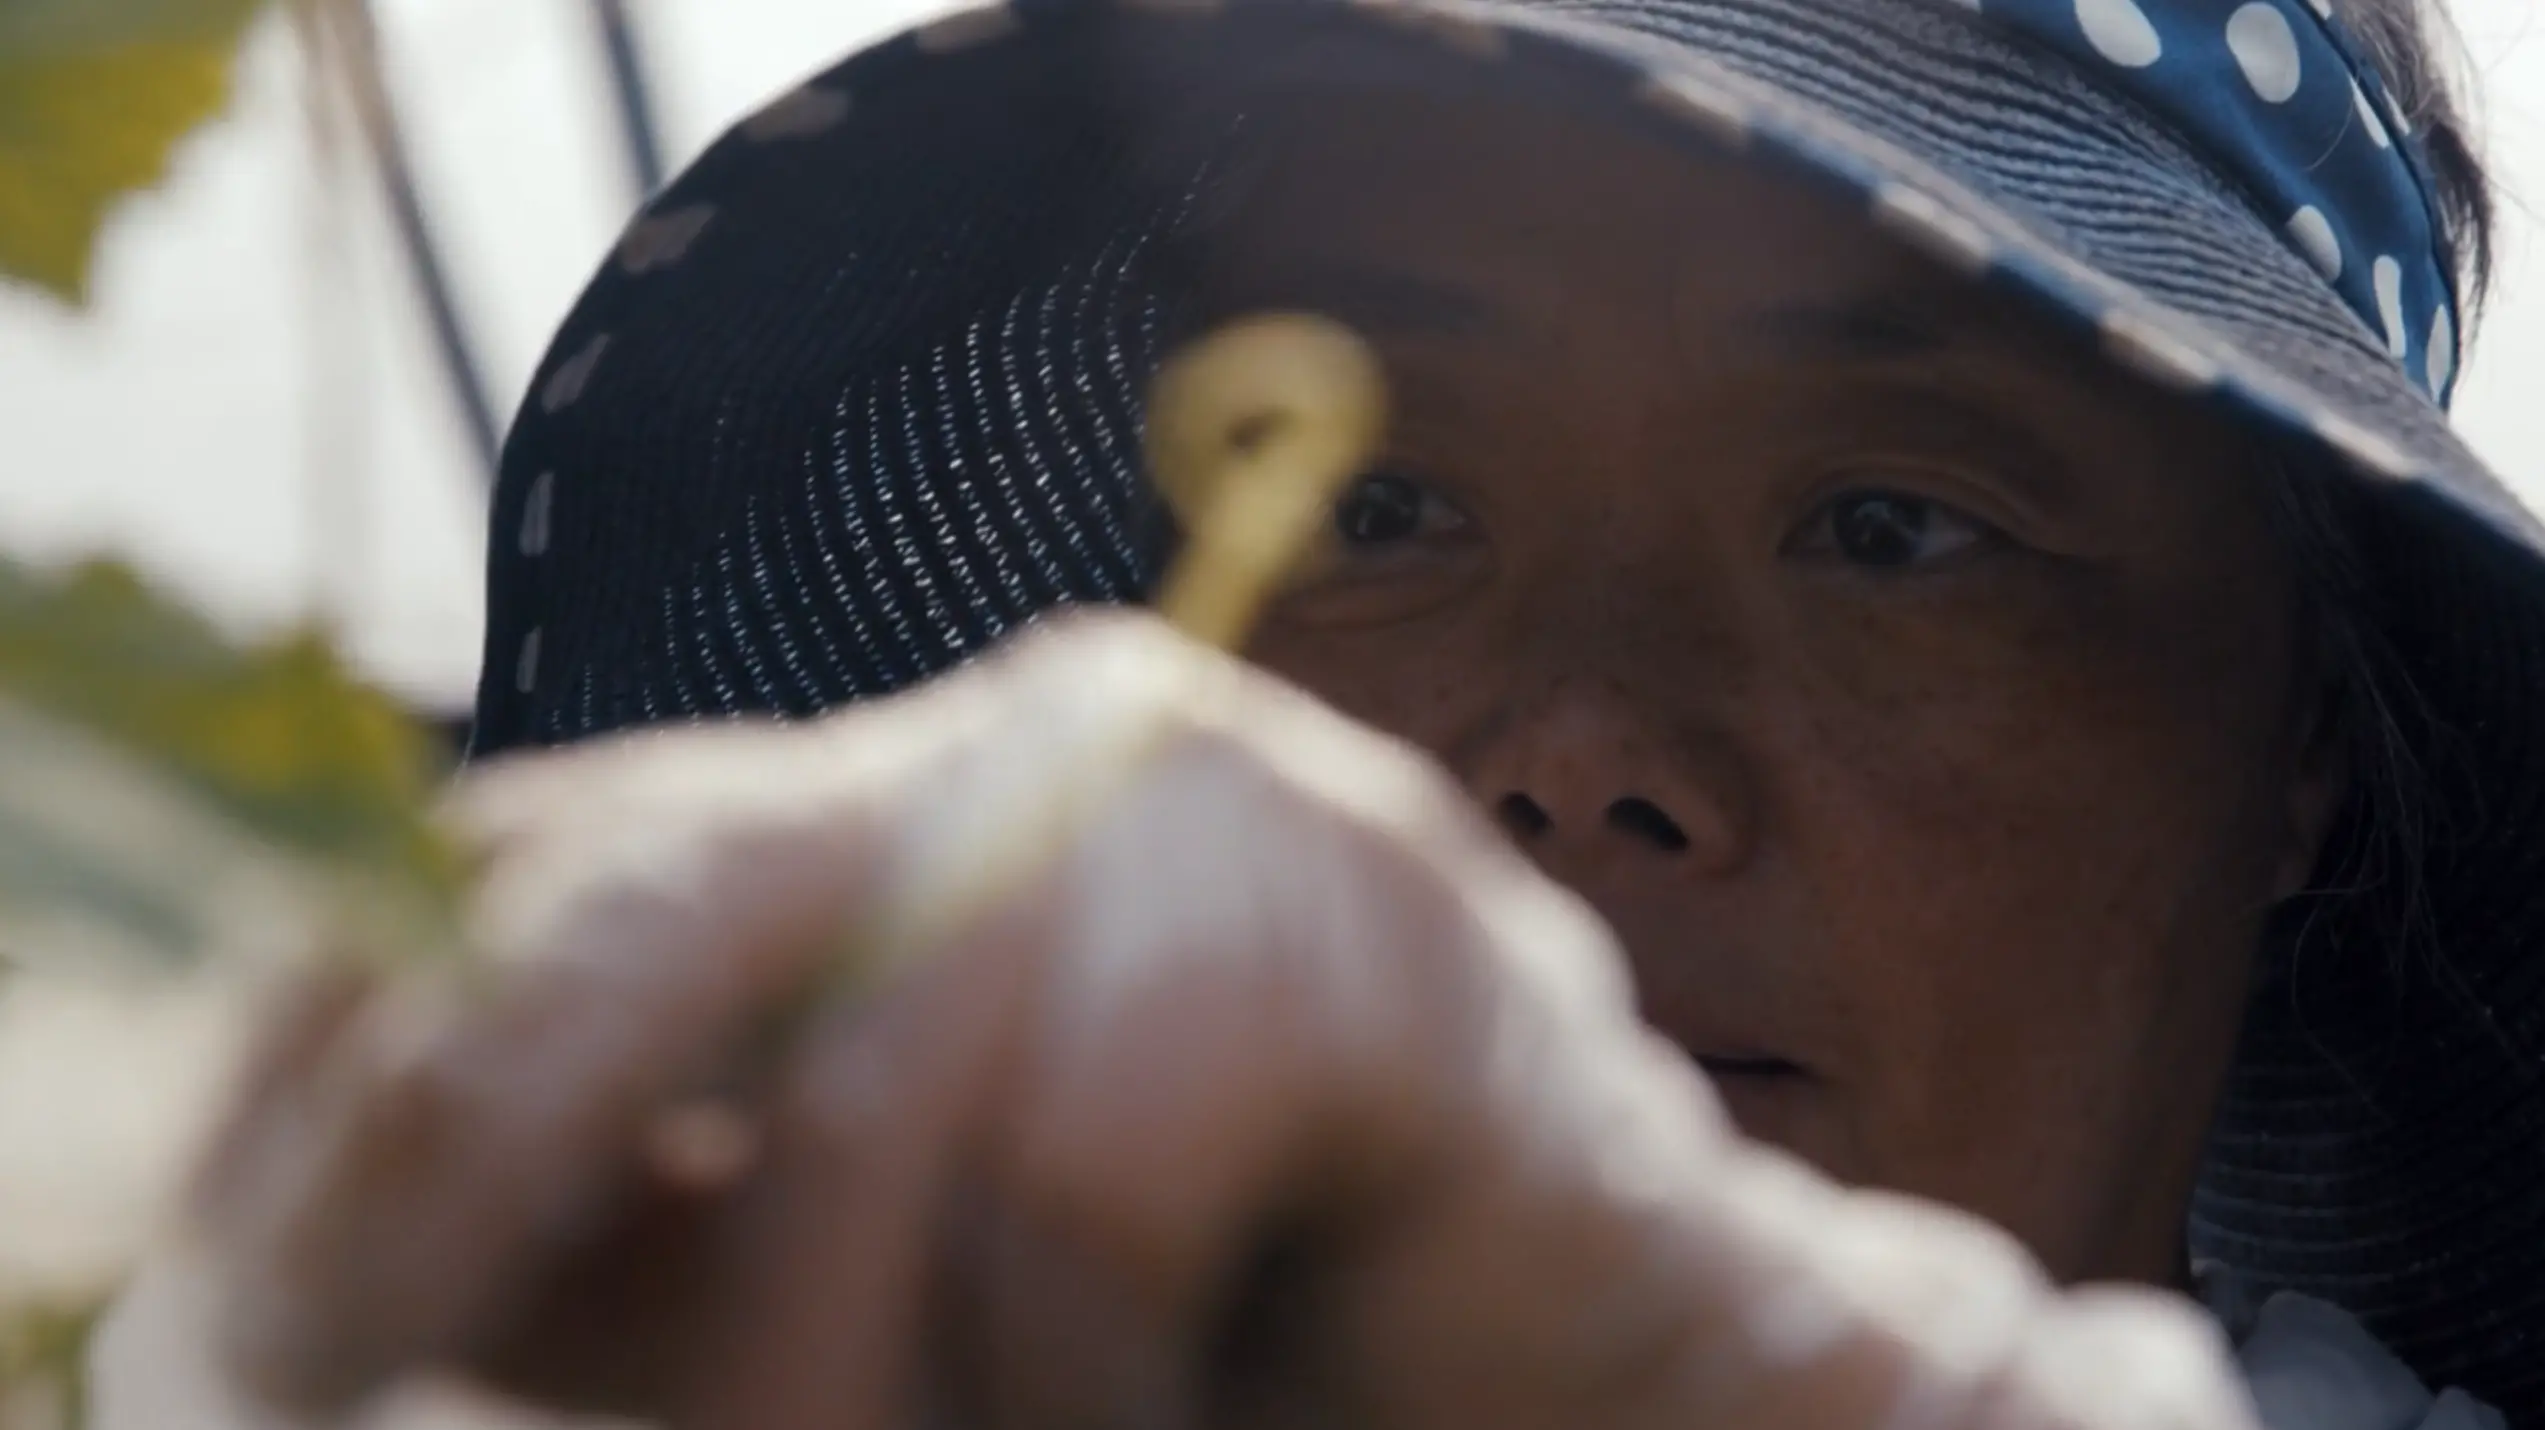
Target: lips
1713,1019
1723,1010
1768,1098
1747,1065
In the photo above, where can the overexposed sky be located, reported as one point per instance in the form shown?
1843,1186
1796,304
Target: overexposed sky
251,408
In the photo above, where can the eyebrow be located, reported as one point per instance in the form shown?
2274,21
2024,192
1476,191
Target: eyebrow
1878,330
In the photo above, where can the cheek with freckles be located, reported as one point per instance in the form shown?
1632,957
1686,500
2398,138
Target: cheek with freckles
2029,856
1425,691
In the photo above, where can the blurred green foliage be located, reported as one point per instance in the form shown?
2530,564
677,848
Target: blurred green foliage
47,1349
94,94
278,740
150,765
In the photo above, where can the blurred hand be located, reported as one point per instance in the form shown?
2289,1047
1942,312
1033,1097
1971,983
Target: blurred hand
1282,1094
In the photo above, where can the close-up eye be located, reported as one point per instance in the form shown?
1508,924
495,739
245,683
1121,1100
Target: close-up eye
1383,508
1892,531
1399,549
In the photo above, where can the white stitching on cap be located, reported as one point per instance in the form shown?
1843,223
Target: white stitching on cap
2372,453
537,515
966,28
526,669
1708,108
663,239
810,110
1952,238
572,376
1467,34
2143,344
2439,358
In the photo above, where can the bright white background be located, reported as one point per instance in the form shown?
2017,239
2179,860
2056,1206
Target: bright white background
251,407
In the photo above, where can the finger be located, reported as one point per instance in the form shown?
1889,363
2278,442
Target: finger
2117,1359
836,1250
1093,663
1607,1253
297,1034
432,1171
1267,1015
824,1299
703,1147
649,900
1127,1207
1897,1313
611,1331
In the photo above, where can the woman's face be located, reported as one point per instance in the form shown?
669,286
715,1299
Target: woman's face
1918,699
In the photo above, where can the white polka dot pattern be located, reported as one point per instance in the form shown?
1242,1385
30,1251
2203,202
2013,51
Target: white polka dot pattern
1949,236
2141,343
659,240
2390,305
538,515
806,112
965,29
2277,96
1468,34
2375,127
2266,49
526,665
565,386
2120,32
1705,105
2316,239
2370,453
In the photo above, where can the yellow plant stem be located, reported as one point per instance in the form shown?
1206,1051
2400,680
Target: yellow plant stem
1253,431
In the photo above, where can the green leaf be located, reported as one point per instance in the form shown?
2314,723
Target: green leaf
28,26
94,94
44,1359
273,747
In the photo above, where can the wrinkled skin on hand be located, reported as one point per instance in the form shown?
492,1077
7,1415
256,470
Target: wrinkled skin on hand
1282,1094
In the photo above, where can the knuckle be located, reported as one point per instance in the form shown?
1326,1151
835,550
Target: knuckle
1947,1294
2117,1358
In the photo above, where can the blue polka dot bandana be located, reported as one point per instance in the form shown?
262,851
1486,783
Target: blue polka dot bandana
2283,102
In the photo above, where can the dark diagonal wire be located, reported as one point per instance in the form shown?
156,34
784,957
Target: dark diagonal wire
640,132
355,38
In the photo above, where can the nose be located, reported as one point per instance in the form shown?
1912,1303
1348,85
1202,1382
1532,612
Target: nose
1580,776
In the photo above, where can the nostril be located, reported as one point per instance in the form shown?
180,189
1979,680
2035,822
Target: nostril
1644,819
1523,816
